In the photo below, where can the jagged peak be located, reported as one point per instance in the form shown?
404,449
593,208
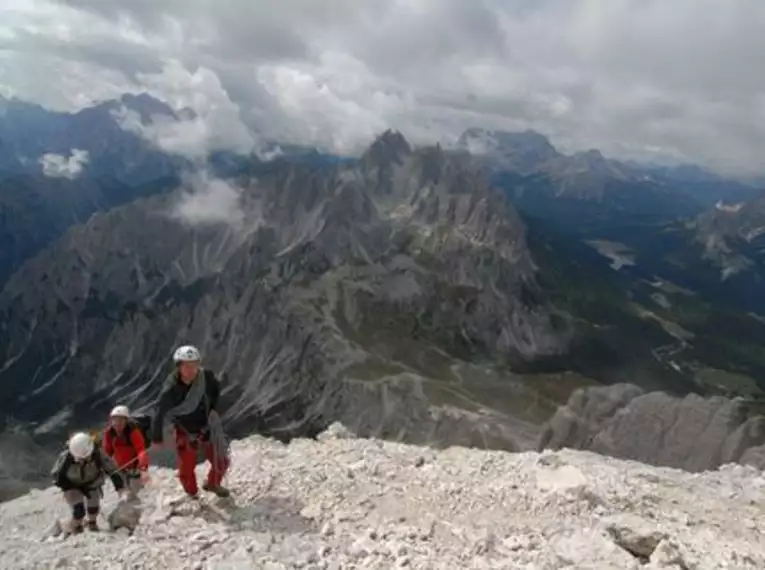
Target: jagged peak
147,105
144,104
389,147
594,161
594,154
432,161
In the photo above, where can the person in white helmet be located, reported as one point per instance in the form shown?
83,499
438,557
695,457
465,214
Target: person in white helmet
79,471
124,442
189,400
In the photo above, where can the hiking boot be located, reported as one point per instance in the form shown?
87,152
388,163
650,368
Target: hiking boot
92,526
219,490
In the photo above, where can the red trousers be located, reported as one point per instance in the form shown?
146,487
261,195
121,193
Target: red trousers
186,450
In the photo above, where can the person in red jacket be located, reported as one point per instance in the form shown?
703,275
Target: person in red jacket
124,442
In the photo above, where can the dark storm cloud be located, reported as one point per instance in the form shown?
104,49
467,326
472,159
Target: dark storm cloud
637,79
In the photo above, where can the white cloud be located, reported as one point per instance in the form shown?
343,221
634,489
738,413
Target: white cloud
209,201
215,124
635,78
58,166
336,105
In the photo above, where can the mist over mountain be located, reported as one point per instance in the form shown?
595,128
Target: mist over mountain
413,292
482,282
92,142
56,169
529,164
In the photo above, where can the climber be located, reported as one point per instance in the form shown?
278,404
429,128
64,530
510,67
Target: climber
79,472
189,400
124,442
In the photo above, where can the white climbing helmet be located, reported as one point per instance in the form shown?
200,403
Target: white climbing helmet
120,412
81,445
187,353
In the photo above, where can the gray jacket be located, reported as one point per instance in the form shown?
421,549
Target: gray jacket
90,474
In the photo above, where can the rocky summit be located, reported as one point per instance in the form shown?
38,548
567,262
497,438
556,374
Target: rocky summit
342,502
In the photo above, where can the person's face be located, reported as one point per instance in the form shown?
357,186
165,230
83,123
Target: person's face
119,422
188,370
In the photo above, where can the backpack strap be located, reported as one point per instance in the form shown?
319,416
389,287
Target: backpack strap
98,459
125,433
208,377
63,462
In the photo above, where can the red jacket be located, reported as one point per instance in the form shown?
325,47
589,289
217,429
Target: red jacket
127,453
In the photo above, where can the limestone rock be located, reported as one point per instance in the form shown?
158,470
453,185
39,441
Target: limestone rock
667,555
294,507
636,536
336,430
691,433
124,515
587,549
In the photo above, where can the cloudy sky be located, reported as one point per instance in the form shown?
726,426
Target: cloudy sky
636,78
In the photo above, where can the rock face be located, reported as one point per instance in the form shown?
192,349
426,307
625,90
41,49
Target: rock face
354,292
342,503
733,236
22,461
691,433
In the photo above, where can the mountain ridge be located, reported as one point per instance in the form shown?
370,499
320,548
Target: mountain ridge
323,245
587,174
56,169
690,433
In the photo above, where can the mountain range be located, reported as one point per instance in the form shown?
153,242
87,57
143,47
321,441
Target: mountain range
56,169
432,295
339,289
534,163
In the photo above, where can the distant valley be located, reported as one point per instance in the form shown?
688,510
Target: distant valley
433,295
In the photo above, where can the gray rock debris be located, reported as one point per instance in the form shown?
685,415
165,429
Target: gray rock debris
125,516
295,506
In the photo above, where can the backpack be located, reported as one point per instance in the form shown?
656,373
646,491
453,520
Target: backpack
141,423
65,460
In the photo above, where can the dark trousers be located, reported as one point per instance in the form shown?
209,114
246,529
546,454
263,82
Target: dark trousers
81,501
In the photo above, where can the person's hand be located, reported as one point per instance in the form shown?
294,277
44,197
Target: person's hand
158,445
145,477
214,415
